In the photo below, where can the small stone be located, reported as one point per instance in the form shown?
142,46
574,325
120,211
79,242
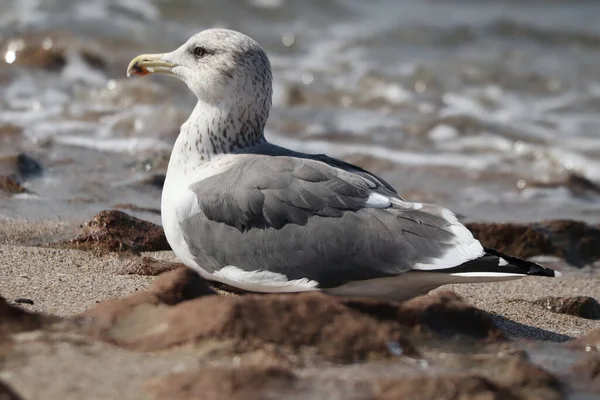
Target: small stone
579,306
23,300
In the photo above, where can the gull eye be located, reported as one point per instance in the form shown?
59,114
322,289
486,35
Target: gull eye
200,51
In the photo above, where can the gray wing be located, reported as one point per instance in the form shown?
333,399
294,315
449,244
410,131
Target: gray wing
374,181
305,219
271,192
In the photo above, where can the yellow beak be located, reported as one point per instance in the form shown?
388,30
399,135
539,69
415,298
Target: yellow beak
148,64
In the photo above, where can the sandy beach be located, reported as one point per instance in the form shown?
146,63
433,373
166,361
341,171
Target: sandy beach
67,282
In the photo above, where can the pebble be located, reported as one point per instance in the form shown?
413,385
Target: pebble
22,300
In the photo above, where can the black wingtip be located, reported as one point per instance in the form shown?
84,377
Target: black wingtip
524,266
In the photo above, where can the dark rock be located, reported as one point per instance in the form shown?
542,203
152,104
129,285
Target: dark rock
443,312
149,266
14,319
221,383
7,393
579,306
117,231
575,241
28,167
24,301
11,186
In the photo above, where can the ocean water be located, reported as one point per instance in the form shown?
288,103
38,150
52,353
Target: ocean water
489,108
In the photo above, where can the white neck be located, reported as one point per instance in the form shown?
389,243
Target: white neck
211,131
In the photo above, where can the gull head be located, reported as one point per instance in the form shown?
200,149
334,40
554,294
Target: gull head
220,67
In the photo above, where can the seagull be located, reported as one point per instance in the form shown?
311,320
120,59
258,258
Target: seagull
263,218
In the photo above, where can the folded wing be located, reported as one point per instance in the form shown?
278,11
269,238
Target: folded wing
305,219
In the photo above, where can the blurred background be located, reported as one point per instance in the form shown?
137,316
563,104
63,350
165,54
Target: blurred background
491,108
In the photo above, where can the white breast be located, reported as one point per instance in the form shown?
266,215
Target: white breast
179,202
